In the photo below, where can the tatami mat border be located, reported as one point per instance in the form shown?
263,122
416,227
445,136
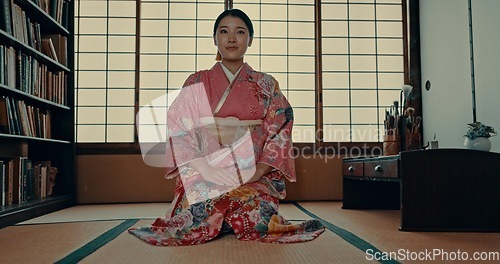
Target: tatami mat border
349,237
97,243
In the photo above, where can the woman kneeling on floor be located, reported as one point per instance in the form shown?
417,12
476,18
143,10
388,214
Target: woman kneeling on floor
230,151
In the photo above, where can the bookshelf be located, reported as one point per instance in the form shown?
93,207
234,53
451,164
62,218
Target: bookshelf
37,146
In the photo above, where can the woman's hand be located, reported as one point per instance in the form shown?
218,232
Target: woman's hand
219,176
229,176
260,170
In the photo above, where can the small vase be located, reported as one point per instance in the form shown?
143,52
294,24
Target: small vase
479,143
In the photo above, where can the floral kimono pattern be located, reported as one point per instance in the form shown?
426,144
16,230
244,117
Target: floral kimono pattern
202,210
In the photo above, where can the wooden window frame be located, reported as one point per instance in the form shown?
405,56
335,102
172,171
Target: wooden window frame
411,42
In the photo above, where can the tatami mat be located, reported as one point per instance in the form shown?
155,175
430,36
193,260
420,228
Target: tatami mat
93,234
327,248
380,228
47,243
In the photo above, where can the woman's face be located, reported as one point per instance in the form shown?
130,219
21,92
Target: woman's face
232,38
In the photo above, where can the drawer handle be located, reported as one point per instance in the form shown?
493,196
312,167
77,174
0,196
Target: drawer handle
379,168
350,169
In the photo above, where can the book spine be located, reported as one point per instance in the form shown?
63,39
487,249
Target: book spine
6,18
30,181
10,180
2,65
2,183
4,116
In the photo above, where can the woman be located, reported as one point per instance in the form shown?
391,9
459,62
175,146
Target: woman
230,131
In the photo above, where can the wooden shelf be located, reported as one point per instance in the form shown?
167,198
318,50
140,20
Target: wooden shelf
21,212
35,99
54,65
23,73
26,138
49,23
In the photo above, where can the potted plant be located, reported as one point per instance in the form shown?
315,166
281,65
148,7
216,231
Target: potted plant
478,136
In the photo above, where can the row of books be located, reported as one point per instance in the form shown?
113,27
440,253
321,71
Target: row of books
22,180
28,31
17,118
31,76
57,9
22,28
11,13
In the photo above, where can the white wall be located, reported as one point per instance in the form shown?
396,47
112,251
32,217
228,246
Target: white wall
486,21
447,106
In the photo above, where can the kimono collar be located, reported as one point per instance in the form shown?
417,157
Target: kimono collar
230,76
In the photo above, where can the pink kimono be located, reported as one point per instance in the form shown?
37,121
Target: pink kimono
202,210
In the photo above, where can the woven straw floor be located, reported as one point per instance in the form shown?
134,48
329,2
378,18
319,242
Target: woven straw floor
97,234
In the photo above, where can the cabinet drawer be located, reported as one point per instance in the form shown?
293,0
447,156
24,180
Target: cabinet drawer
352,169
381,168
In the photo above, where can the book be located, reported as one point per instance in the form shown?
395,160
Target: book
23,32
43,180
17,183
4,116
6,17
2,183
51,180
16,21
48,48
23,118
11,71
36,180
3,75
44,5
60,44
30,181
53,6
29,32
10,116
38,37
9,181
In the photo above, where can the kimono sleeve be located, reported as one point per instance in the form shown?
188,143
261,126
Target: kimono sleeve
182,115
277,125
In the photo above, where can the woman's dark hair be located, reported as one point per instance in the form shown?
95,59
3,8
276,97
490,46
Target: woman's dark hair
235,13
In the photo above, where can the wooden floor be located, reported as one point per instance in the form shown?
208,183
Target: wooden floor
98,234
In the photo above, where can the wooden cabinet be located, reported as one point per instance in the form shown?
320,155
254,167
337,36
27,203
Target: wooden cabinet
371,183
436,190
450,190
36,107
